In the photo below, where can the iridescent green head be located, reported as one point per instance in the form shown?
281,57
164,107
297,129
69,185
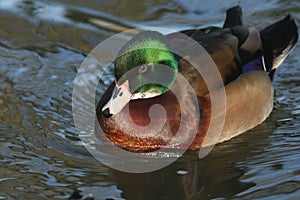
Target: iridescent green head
145,68
143,60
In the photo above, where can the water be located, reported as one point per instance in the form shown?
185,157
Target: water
42,44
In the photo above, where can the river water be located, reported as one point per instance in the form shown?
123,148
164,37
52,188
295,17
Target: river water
43,43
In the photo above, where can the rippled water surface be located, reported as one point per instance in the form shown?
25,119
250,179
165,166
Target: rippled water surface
43,43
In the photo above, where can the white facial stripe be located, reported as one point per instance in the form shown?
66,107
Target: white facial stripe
145,95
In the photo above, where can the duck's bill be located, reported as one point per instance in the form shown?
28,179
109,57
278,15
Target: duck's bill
119,99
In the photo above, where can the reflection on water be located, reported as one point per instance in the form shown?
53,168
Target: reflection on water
42,44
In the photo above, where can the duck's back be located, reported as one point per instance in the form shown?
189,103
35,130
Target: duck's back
222,45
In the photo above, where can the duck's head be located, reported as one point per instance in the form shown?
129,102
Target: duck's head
145,68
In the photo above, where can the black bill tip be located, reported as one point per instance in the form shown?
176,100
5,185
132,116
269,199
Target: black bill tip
106,113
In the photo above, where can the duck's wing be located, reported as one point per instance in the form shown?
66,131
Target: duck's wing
223,46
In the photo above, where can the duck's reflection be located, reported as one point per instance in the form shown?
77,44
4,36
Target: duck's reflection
200,182
217,175
187,178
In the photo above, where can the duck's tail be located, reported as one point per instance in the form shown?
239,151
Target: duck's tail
278,40
234,17
275,41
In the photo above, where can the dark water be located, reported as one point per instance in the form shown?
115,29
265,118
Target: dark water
42,44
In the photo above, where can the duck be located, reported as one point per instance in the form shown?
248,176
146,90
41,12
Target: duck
160,101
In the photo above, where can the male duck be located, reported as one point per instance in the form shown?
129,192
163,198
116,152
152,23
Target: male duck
246,60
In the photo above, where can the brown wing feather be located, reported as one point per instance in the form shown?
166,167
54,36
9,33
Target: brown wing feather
223,47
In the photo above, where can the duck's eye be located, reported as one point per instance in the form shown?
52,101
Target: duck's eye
143,69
